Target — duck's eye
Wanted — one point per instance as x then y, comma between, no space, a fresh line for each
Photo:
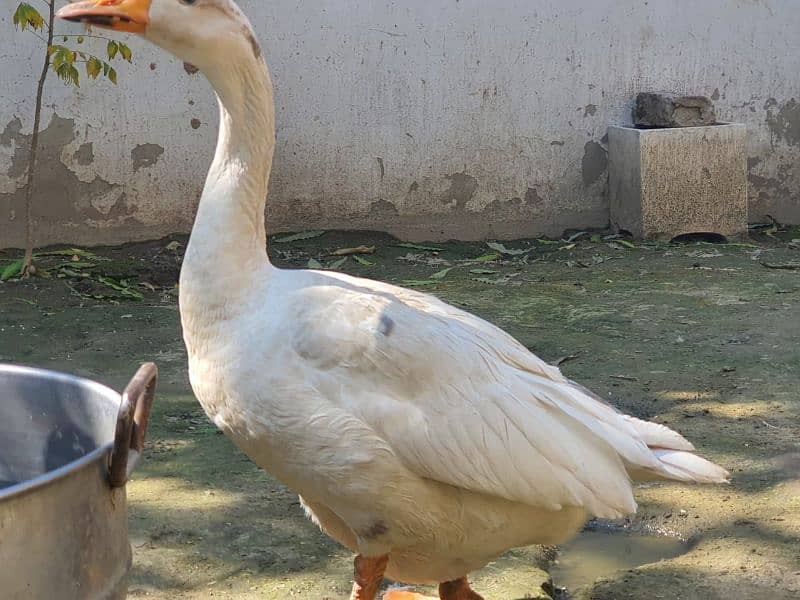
189,2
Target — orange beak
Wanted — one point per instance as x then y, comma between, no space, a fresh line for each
119,15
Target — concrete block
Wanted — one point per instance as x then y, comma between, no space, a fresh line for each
668,182
669,110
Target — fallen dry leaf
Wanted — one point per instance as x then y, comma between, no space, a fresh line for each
356,250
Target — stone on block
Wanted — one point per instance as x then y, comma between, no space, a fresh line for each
669,110
669,182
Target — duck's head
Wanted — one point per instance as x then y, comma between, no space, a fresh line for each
205,33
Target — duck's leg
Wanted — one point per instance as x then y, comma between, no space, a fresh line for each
457,590
368,577
452,590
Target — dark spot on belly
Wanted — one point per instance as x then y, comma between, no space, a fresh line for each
376,530
387,325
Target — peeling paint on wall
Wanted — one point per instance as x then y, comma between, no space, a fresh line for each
11,132
85,154
772,181
784,121
594,162
527,208
59,196
462,189
145,155
774,175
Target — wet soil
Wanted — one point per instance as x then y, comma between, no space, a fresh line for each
701,337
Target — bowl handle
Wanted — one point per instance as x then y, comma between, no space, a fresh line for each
132,421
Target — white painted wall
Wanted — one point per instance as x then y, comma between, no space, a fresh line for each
488,118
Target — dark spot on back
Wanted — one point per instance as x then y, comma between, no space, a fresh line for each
253,42
375,531
190,68
387,325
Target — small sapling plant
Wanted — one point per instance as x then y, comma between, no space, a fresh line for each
66,55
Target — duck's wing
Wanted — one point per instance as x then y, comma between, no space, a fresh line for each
461,402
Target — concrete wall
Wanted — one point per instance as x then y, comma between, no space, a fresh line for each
429,119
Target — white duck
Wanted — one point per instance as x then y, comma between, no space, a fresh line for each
419,436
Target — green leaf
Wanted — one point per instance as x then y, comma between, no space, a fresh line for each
80,39
67,272
72,252
122,287
112,75
60,56
112,49
735,245
363,261
27,16
503,250
419,282
62,60
418,247
76,265
483,272
94,67
487,258
596,238
106,68
12,270
576,236
125,52
624,243
62,71
313,263
790,266
442,274
338,264
305,235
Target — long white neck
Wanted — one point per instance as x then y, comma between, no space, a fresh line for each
227,249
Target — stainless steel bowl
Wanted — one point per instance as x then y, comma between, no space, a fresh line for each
67,448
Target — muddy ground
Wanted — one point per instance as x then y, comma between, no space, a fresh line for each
701,337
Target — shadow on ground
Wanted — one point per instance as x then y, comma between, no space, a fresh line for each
700,337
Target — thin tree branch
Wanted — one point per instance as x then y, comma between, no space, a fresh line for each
88,37
37,122
41,37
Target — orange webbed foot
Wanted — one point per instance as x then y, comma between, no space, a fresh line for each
405,595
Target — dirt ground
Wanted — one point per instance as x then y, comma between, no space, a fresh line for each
698,336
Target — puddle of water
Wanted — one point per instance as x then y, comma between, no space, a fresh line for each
599,553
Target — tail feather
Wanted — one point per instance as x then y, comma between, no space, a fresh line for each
685,466
656,435
675,454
